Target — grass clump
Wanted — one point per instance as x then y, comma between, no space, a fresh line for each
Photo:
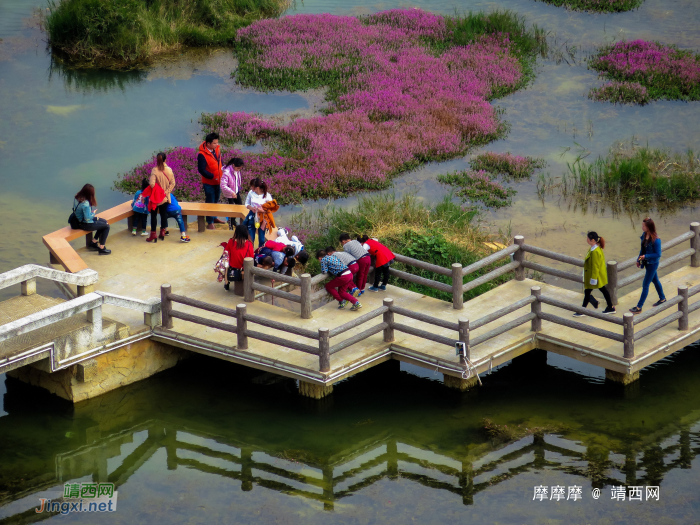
129,32
598,6
512,166
476,187
621,93
632,177
440,234
663,72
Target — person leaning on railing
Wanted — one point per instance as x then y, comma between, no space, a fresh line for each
85,213
595,274
649,257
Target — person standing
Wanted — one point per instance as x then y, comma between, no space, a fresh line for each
84,208
255,201
383,258
161,176
231,185
649,257
209,167
595,274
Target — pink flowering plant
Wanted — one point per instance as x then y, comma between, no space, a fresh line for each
511,166
598,6
645,71
477,188
403,87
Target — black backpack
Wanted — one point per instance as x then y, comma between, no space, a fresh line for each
73,220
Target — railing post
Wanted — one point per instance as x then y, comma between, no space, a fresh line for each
389,319
628,320
29,286
519,256
248,278
695,244
457,284
464,338
166,306
324,347
305,296
94,316
683,307
612,281
84,290
536,308
151,319
241,327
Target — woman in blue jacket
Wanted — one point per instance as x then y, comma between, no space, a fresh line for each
649,256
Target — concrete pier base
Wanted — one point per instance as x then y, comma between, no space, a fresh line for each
313,390
103,373
619,377
458,383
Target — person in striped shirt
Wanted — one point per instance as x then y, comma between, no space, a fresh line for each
342,280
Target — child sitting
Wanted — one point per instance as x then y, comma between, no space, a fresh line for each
350,262
174,211
362,257
338,286
140,207
383,259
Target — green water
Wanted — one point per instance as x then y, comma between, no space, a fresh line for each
202,443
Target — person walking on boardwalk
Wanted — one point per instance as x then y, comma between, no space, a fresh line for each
595,274
209,167
649,257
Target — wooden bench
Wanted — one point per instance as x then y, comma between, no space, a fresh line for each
61,252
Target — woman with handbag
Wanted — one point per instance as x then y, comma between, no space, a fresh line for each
238,247
649,257
595,274
84,208
163,176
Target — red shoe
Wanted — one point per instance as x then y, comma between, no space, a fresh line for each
152,237
162,234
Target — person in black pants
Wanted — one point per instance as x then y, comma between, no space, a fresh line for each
84,208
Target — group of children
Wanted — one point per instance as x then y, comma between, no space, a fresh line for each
140,206
350,268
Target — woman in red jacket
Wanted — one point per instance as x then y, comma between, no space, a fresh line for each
239,247
383,258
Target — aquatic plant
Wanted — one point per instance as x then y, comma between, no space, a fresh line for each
441,234
404,87
633,178
127,32
621,93
665,71
477,187
513,166
598,6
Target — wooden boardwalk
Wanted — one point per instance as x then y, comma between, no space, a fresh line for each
320,346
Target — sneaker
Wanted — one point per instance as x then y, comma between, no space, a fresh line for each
373,289
576,314
610,310
383,288
167,233
103,251
184,238
361,292
355,292
144,233
342,304
356,306
133,231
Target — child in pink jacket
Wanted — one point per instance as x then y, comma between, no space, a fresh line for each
231,185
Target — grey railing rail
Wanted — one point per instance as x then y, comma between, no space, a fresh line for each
250,286
27,275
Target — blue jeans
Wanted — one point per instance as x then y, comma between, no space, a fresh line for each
212,194
651,277
178,217
249,222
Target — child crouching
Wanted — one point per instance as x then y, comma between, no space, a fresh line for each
342,281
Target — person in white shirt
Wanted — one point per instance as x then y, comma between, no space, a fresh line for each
254,202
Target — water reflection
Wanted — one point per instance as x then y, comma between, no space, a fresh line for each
385,426
93,80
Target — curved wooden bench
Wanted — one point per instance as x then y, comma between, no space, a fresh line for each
62,252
